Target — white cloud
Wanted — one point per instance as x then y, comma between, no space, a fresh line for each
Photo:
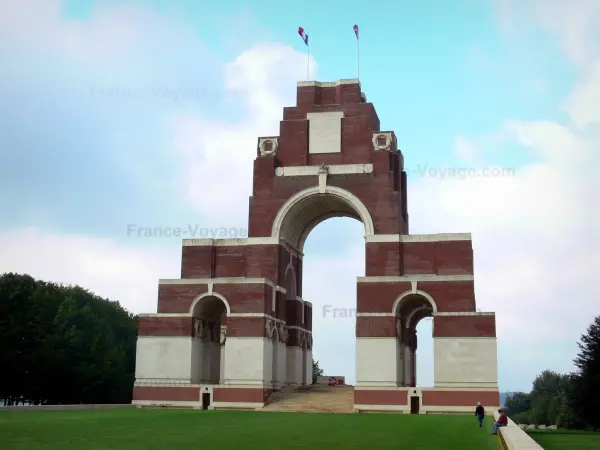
219,155
127,273
575,23
583,104
37,25
467,150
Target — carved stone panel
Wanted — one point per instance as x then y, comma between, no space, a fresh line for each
325,132
272,332
206,331
268,146
382,141
283,333
223,336
302,339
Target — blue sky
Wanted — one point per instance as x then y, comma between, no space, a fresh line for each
93,139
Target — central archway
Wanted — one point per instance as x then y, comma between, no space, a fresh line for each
293,223
334,259
306,209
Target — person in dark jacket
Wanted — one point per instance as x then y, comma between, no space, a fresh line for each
480,413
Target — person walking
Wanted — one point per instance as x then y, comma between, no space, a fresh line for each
480,414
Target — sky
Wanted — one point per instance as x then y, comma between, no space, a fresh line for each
147,113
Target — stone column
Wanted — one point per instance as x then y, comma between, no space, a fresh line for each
407,365
222,343
248,358
281,350
414,366
400,353
197,356
377,361
308,351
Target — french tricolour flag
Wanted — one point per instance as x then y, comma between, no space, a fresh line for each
303,35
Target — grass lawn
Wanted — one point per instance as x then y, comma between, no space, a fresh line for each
148,429
563,439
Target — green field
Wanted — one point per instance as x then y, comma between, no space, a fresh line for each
562,439
146,429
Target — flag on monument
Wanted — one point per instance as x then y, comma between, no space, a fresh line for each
303,35
355,28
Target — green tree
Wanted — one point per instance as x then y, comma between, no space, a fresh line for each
16,340
584,399
316,371
549,397
63,344
517,403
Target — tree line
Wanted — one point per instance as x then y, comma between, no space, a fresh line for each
567,400
63,345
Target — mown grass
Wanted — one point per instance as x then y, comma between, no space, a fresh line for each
564,439
147,429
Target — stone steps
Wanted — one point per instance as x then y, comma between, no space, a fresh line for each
325,399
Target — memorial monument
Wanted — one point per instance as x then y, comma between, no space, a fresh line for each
235,328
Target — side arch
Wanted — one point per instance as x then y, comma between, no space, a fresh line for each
198,299
304,210
398,302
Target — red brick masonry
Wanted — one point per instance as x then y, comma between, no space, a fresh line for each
371,397
165,326
460,398
464,326
430,397
162,393
241,395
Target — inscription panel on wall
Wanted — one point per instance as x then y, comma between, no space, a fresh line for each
325,132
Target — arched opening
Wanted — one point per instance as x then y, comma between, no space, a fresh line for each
294,356
425,352
334,258
308,208
410,309
293,224
209,314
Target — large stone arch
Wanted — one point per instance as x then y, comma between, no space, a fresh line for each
306,209
294,221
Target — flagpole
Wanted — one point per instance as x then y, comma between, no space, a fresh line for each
358,57
308,63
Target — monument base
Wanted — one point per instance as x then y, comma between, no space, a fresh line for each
416,400
406,400
199,396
